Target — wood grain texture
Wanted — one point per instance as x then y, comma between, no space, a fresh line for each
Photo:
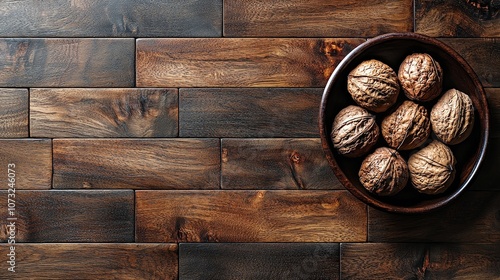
493,95
94,261
449,18
239,62
484,178
275,164
259,261
248,112
473,217
14,107
249,216
84,112
111,18
44,62
137,163
32,159
316,18
71,216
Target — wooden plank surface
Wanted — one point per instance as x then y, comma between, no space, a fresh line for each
493,95
32,159
276,164
93,261
449,18
249,112
239,62
14,107
137,163
71,216
111,18
249,216
40,62
85,112
259,261
316,18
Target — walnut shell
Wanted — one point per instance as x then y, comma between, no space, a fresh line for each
432,169
384,172
452,117
354,131
373,85
407,127
421,77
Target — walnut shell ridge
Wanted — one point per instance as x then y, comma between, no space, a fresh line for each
421,77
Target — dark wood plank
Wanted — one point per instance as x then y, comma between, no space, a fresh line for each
493,95
32,159
14,106
249,216
450,18
484,178
259,261
84,112
93,261
71,216
111,18
275,164
316,18
247,112
472,218
239,62
67,62
137,163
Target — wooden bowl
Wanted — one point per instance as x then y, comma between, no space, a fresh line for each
392,49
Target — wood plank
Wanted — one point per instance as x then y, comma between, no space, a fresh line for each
239,62
32,159
137,163
85,112
493,95
472,218
276,164
259,261
38,62
115,18
316,18
449,18
484,179
93,261
71,216
249,216
14,106
248,112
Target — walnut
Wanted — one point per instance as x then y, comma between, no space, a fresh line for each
373,85
432,169
452,117
354,131
407,127
384,172
421,77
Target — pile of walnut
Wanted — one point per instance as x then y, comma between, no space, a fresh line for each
375,87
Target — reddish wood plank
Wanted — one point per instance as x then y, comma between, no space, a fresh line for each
14,106
316,18
238,62
32,159
137,163
84,112
249,216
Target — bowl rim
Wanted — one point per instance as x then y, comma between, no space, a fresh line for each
372,201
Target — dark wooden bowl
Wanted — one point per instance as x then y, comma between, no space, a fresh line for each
392,49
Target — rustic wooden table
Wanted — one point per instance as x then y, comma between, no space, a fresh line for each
178,139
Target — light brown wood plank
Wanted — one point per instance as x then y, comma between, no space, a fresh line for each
249,112
249,216
14,104
276,164
32,159
137,163
39,62
238,62
84,112
92,261
316,18
70,216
